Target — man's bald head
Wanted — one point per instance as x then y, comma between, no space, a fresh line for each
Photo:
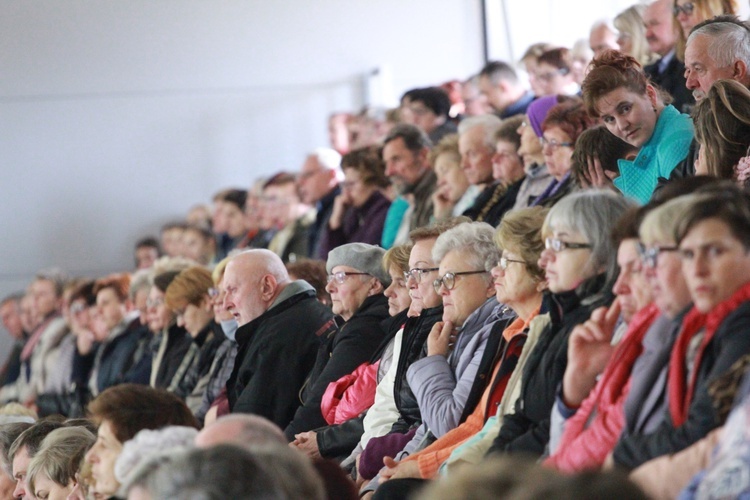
253,279
241,430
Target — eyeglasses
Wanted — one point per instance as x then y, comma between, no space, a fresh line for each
340,276
650,256
214,292
348,184
418,273
547,77
154,302
686,9
449,279
553,144
504,261
77,308
558,245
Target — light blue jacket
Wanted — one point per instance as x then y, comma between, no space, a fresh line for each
667,146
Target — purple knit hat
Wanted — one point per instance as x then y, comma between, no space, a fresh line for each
537,112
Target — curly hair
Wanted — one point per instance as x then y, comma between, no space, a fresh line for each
610,71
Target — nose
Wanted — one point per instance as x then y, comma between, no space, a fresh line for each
180,321
700,264
622,285
546,257
690,81
389,169
496,271
330,287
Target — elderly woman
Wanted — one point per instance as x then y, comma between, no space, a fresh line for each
121,412
579,263
631,34
188,295
448,382
722,128
713,236
52,472
359,211
356,281
454,194
519,283
561,128
336,440
617,91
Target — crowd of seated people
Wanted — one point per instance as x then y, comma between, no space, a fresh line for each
547,261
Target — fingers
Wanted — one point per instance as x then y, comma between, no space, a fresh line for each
389,462
613,314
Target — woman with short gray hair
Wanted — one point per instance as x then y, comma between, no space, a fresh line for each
52,471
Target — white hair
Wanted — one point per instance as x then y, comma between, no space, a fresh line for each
150,442
491,124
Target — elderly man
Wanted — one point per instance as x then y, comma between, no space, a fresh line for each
717,48
603,36
476,143
668,71
282,325
356,282
318,185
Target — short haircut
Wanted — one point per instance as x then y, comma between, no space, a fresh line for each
32,438
327,158
280,179
570,117
627,225
520,231
314,272
236,197
61,452
593,214
140,280
85,292
148,242
203,231
508,131
497,71
724,201
222,471
434,98
14,297
722,127
447,145
659,224
8,434
436,229
147,442
398,257
729,39
130,408
119,283
476,243
55,276
491,124
598,142
535,50
414,137
557,58
189,287
163,280
175,224
368,162
609,71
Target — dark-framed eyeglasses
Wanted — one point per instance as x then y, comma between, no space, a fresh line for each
650,255
340,276
558,245
504,261
448,280
417,273
553,144
686,9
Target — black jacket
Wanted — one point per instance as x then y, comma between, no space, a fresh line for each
413,347
672,79
730,342
527,428
345,350
492,203
275,353
117,356
178,342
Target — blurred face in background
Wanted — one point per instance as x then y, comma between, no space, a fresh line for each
158,315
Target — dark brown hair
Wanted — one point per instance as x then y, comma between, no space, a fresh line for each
610,71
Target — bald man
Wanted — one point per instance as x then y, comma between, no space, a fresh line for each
282,325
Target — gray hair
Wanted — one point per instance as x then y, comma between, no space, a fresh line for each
219,472
592,214
606,22
148,442
475,240
491,124
61,452
728,41
140,280
9,433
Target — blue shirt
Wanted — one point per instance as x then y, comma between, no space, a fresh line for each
667,146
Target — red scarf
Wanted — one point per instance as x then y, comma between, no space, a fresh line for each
680,396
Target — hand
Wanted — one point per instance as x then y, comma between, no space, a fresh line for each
85,341
442,204
441,339
340,204
596,177
589,351
360,482
399,470
609,462
307,443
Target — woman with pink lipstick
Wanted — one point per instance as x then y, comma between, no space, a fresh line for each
617,91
